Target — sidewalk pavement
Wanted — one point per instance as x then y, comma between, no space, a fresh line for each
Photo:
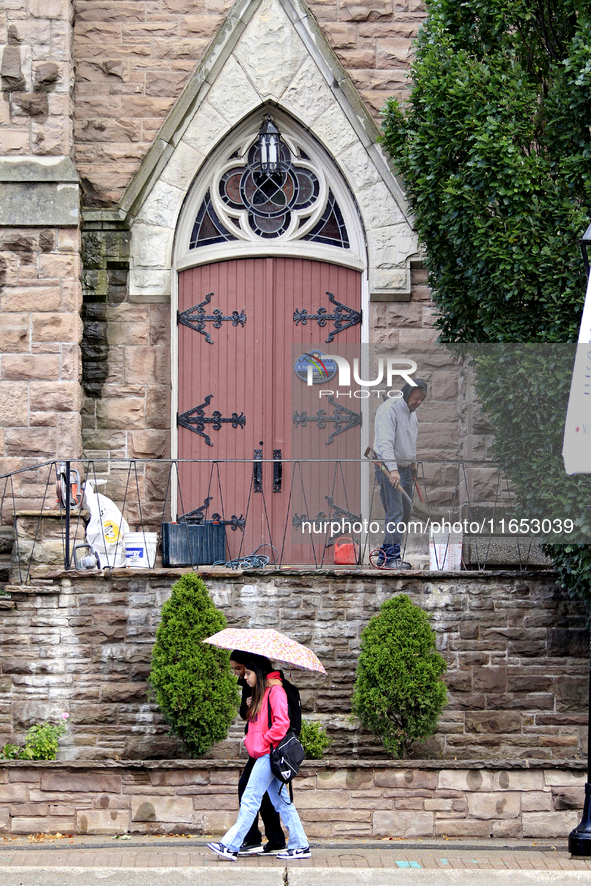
44,860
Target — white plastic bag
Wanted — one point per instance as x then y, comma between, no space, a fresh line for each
106,528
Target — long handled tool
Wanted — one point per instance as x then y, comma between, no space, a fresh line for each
371,455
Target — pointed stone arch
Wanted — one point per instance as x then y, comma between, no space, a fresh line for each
267,52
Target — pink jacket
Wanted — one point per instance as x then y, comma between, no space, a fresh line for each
259,737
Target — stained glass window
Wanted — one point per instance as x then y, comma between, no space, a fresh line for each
331,228
268,202
208,228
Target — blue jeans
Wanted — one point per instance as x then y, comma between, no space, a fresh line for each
396,508
262,780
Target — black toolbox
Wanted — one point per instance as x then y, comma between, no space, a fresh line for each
190,544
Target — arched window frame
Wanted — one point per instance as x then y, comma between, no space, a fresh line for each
247,244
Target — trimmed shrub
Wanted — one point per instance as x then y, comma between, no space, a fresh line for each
314,739
194,686
399,693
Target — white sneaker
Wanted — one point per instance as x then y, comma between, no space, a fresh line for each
223,851
295,853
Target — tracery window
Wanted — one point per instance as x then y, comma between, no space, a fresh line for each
294,202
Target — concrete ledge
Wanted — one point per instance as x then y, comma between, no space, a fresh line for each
508,799
39,192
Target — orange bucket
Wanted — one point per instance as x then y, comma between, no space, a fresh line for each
346,552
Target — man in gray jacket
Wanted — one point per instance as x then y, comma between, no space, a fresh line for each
395,444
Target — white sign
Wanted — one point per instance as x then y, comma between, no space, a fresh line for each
576,448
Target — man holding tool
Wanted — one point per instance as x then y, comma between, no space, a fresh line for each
395,444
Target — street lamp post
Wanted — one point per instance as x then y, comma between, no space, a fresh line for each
579,840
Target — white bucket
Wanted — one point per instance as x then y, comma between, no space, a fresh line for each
140,549
445,551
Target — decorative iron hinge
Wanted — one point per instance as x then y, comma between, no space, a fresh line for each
195,420
195,318
343,317
320,518
348,420
197,517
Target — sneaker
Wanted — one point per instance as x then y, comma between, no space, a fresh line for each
250,849
386,553
398,563
295,853
271,848
223,851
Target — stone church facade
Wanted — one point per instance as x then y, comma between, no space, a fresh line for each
113,114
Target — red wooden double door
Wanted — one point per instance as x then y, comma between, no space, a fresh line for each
237,334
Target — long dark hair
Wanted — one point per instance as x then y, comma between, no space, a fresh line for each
260,666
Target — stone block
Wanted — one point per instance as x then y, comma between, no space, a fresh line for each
14,397
495,805
462,827
121,413
49,327
177,777
494,722
33,442
52,9
464,780
411,779
49,825
402,824
13,793
349,779
158,406
568,798
536,801
217,822
28,367
102,821
323,800
31,298
549,824
518,780
14,334
78,782
165,809
122,693
148,444
564,778
29,810
149,365
60,396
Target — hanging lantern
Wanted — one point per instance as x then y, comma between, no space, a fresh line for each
270,147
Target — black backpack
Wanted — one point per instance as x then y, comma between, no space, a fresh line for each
287,756
294,705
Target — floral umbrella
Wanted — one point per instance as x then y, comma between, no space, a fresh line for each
268,642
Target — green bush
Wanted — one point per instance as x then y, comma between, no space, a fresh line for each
314,739
41,742
495,149
399,692
193,683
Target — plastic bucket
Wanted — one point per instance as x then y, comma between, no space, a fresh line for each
345,552
140,549
445,551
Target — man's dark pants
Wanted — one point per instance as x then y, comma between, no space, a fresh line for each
396,507
271,819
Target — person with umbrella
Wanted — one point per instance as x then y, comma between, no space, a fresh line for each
268,695
252,844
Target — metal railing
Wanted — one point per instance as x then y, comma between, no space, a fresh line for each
236,503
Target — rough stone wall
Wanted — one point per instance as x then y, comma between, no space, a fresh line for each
377,800
126,359
134,58
35,73
517,656
40,301
40,294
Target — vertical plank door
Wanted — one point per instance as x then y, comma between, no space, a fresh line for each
247,372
